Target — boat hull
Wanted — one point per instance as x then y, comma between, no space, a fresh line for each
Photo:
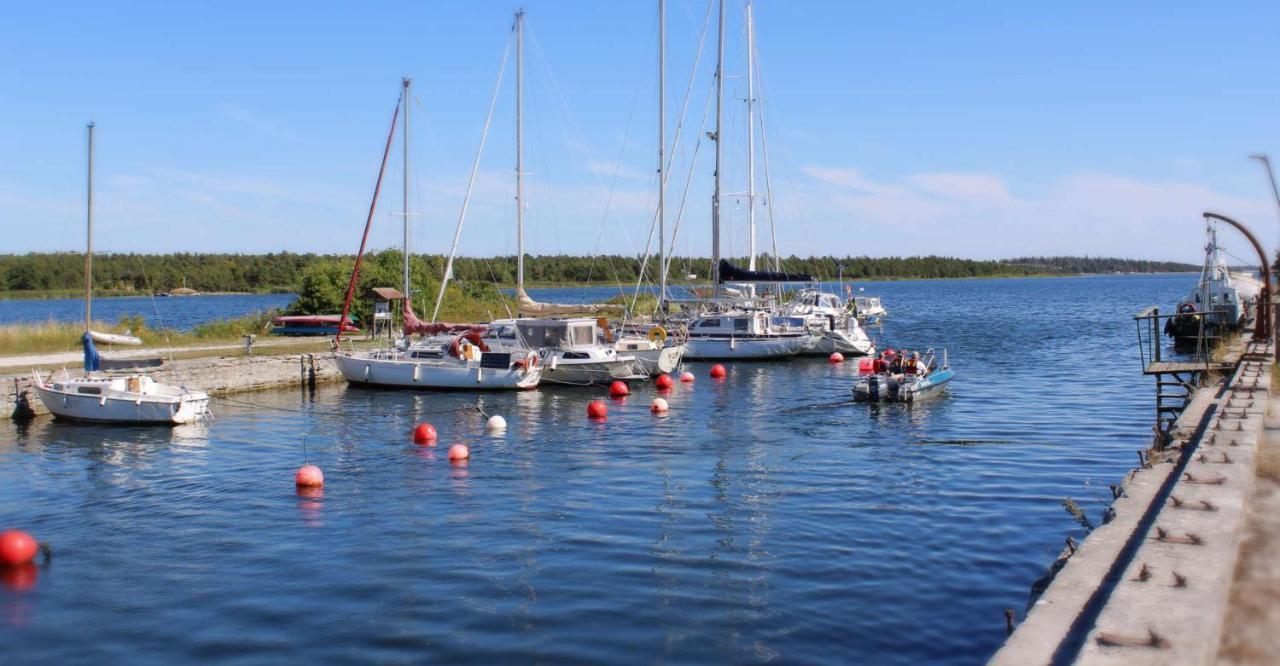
844,343
585,373
885,388
763,347
124,408
420,374
654,362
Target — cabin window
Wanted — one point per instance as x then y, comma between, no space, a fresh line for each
91,390
709,323
1197,298
741,325
581,335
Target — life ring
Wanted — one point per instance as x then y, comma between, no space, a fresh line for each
1186,308
658,334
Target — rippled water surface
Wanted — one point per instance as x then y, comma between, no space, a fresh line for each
767,518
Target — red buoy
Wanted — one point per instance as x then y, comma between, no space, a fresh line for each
686,377
836,357
17,548
619,390
424,434
664,382
597,410
309,476
459,452
718,371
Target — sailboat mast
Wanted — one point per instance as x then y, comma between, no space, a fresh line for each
751,141
408,293
715,198
519,154
88,243
662,142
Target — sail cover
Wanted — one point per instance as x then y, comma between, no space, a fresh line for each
92,361
731,273
527,306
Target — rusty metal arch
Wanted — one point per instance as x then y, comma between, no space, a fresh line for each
1262,323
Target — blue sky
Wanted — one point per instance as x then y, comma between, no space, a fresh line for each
971,129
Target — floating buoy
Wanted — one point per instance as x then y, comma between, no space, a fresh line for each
664,382
424,434
718,371
686,377
495,422
659,406
597,410
17,548
459,452
836,357
619,390
309,476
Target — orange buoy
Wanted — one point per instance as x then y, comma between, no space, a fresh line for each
718,371
597,410
424,434
619,390
17,548
664,382
309,476
659,406
686,377
459,452
836,357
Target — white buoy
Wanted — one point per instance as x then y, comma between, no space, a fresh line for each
495,423
659,406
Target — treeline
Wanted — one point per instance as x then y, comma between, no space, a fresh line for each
286,271
1099,265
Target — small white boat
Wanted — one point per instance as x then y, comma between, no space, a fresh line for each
133,398
924,378
829,316
747,334
653,350
128,399
444,362
569,349
868,308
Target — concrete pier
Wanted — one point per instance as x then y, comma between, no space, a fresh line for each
215,375
1152,585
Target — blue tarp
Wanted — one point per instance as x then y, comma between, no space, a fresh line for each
92,361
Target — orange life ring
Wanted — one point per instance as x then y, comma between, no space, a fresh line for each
1186,308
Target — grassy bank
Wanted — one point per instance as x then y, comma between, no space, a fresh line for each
55,336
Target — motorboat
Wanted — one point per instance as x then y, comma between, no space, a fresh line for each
131,398
919,377
457,361
828,315
569,349
1221,301
868,308
655,350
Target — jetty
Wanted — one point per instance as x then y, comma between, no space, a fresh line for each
1184,568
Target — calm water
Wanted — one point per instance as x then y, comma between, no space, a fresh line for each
181,313
768,518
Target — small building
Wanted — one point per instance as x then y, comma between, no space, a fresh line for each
386,306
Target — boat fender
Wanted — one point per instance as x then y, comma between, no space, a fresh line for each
658,334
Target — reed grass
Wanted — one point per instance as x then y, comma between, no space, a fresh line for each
55,336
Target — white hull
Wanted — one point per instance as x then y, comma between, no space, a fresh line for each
760,347
433,374
654,362
582,373
843,342
123,407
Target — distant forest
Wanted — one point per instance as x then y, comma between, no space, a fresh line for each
51,272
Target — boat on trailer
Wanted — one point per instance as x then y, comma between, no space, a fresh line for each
925,378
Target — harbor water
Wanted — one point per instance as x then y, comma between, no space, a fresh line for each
767,518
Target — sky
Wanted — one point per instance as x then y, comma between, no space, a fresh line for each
982,130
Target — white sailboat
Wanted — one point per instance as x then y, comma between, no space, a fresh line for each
454,357
134,398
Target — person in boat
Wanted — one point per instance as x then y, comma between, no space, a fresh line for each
914,366
895,365
879,366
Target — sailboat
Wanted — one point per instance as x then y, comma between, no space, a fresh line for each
454,356
133,398
573,350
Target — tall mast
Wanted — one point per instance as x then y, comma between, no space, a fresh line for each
751,141
519,154
715,198
408,288
662,141
88,243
